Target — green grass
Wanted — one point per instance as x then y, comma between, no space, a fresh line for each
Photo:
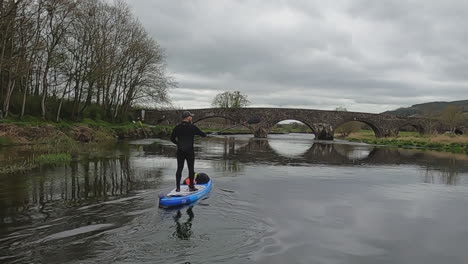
54,159
449,143
25,121
4,141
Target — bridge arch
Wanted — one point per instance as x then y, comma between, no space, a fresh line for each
233,120
377,131
419,128
196,120
277,121
459,131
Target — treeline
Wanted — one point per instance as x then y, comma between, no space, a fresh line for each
68,58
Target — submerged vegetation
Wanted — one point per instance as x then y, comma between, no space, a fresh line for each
20,164
53,159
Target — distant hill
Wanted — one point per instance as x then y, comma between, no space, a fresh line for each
433,107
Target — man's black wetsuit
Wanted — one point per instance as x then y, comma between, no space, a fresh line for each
182,136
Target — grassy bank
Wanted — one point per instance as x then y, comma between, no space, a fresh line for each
31,130
52,143
450,143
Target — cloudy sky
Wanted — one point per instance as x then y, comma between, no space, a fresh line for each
364,55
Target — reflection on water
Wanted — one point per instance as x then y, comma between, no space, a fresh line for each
353,152
184,229
104,207
449,176
234,153
295,147
27,196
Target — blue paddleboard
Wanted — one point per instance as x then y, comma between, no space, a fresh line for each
184,197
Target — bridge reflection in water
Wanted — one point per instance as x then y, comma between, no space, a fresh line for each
232,153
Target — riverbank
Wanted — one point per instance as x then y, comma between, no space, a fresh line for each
51,143
445,142
14,133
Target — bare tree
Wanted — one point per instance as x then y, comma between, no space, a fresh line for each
58,21
81,52
452,116
230,100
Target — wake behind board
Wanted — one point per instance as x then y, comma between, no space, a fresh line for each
184,197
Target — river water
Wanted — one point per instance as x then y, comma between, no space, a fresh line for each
287,199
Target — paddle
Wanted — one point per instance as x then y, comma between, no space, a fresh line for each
252,121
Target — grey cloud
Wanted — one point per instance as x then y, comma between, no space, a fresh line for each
361,54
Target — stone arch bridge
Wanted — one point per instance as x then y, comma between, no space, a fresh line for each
322,123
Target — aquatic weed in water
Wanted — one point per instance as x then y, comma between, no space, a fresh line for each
53,159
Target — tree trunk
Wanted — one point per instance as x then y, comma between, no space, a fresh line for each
11,87
116,111
98,95
89,97
23,105
44,92
58,110
37,84
6,103
28,84
6,46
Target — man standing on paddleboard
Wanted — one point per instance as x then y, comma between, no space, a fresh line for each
182,135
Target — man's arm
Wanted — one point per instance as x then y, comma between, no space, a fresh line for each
173,136
199,132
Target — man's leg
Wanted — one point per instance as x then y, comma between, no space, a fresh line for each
180,167
191,168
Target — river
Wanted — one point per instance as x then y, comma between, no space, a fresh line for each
285,199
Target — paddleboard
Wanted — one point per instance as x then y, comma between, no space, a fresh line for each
185,196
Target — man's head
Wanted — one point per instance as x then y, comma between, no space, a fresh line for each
187,116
